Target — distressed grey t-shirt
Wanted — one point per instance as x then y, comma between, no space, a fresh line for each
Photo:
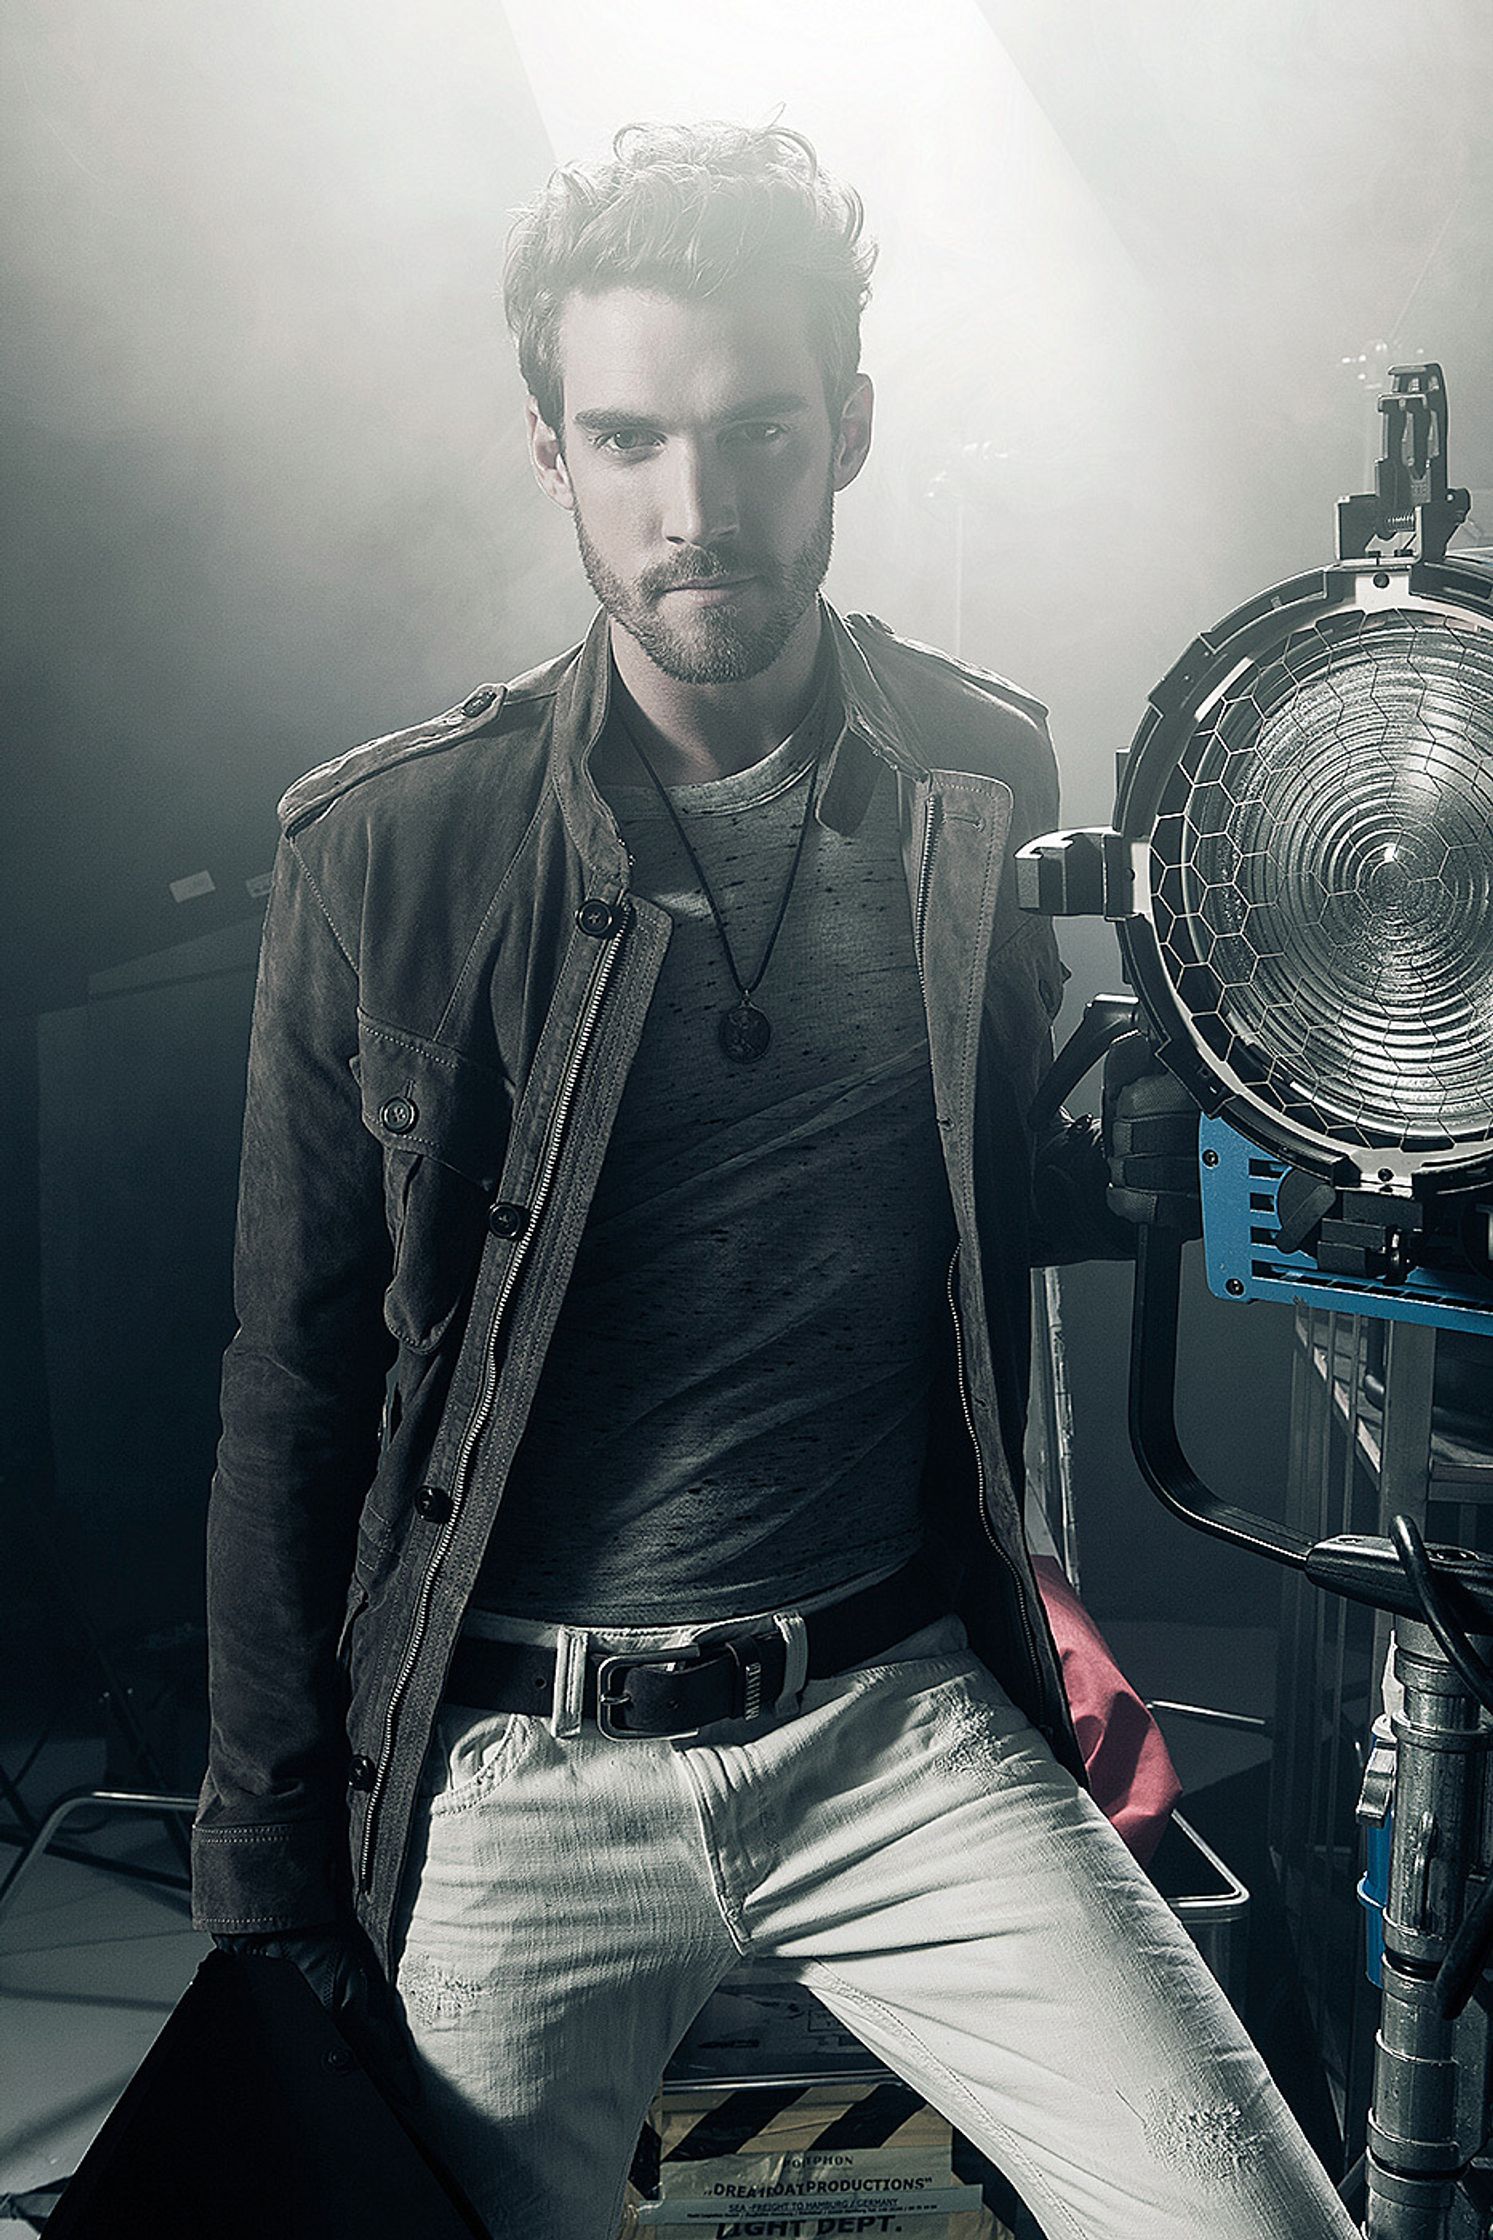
733,1412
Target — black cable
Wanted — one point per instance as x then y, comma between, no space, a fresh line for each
1462,1964
1451,1638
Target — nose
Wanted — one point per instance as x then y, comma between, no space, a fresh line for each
701,506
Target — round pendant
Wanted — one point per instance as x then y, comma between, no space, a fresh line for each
744,1031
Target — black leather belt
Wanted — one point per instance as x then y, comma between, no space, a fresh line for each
675,1695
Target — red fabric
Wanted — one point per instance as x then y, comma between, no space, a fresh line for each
1131,1774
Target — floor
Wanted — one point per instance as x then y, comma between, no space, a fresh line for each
91,1964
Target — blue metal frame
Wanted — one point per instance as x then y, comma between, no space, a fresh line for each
1240,1183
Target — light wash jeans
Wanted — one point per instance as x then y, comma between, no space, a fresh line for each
907,1847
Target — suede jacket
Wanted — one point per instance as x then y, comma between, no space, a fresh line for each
452,985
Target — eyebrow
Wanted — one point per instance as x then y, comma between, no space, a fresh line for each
775,407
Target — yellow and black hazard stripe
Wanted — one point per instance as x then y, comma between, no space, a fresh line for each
830,2117
748,2121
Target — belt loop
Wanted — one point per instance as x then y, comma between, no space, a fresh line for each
570,1682
790,1624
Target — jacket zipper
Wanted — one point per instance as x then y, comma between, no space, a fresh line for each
969,1422
920,907
477,1422
920,916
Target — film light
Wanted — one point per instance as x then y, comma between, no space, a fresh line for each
1301,864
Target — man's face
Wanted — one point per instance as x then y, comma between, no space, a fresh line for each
700,461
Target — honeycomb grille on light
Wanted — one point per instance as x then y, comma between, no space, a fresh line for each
1322,891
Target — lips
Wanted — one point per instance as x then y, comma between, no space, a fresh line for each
706,586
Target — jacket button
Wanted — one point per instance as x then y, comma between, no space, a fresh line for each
362,1774
506,1220
398,1115
479,702
602,920
433,1503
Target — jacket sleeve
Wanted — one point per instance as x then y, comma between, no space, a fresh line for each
302,1394
1071,1215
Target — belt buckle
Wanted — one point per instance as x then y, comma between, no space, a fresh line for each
611,1700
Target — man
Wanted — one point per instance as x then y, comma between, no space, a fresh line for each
642,1059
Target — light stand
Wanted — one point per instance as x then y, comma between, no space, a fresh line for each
1425,2125
1300,875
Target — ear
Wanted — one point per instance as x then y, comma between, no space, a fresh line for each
547,458
853,436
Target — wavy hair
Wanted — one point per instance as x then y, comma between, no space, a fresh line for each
690,210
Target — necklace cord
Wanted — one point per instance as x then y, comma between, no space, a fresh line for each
745,989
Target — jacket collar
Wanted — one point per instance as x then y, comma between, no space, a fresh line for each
868,712
583,702
870,723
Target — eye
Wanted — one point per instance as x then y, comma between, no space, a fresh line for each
758,432
627,443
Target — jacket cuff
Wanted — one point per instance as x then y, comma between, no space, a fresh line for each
275,1875
1074,1219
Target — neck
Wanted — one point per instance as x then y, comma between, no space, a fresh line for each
696,732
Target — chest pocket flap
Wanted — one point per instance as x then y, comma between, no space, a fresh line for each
442,1120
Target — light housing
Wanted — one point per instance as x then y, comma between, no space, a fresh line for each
1300,868
1306,817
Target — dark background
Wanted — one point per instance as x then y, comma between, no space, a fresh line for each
1144,268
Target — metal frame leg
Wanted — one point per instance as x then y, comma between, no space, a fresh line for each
79,1800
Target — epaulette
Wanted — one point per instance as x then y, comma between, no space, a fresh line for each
984,680
312,793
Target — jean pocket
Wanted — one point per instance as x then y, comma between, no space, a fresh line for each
944,1638
472,1753
920,1660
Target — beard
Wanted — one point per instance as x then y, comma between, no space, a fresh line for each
713,646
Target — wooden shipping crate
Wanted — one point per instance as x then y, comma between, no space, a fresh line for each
802,2162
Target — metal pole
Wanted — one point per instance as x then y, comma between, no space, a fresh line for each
1418,2138
167,1809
